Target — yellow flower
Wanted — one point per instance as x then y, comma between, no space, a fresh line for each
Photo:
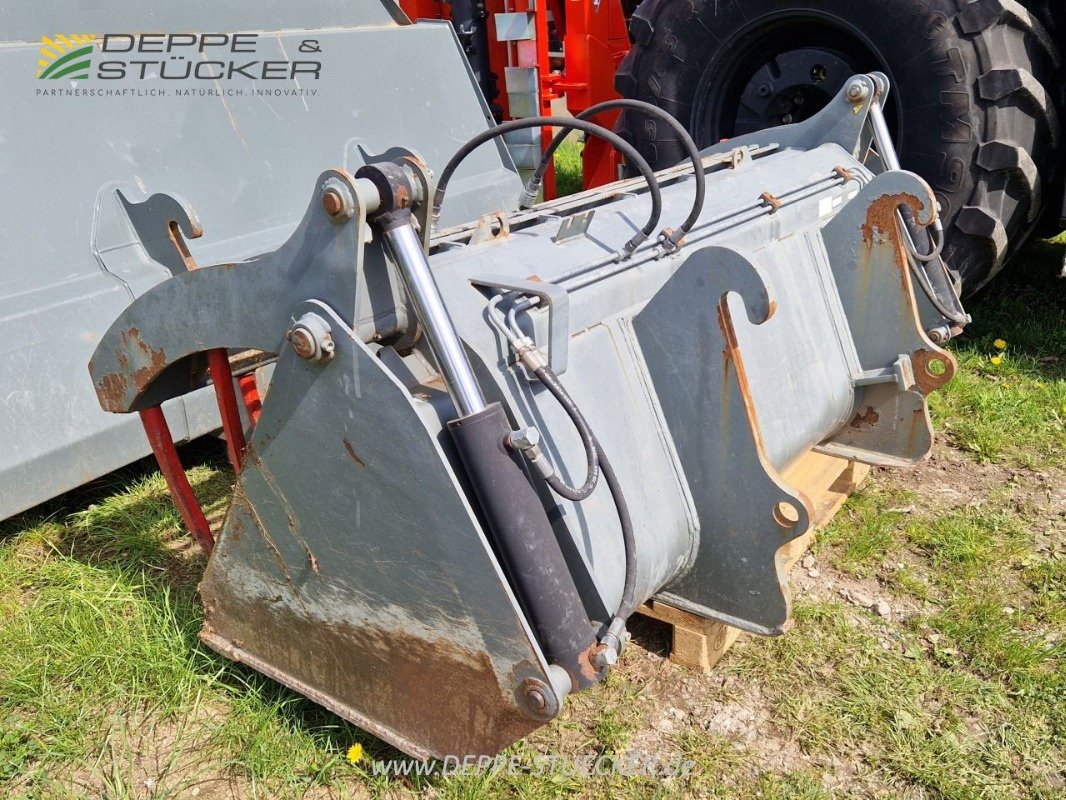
355,754
999,344
996,360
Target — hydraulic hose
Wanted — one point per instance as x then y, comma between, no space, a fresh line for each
592,450
627,604
613,139
533,186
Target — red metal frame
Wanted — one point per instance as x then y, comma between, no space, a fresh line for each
166,455
595,40
232,427
253,403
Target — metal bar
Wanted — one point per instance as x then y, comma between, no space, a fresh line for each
883,138
440,330
253,403
166,455
222,378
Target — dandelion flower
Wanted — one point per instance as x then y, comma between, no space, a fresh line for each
996,360
999,344
355,754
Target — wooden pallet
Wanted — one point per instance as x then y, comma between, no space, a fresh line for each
700,643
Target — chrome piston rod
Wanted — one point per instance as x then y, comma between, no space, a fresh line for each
406,247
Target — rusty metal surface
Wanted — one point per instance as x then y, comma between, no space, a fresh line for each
878,296
359,584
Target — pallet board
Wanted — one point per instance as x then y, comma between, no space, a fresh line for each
700,643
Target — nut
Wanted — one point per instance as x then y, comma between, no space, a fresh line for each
606,656
524,438
858,90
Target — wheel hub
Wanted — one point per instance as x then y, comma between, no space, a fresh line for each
790,87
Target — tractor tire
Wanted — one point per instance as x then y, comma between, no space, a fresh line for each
974,105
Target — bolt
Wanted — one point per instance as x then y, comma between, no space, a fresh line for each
858,90
524,438
536,698
310,337
303,342
606,656
786,120
765,90
332,202
939,335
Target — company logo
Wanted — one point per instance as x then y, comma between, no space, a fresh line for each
65,56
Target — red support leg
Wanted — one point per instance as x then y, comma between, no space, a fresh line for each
166,455
222,378
253,403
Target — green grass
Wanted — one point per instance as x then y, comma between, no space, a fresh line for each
104,684
1013,410
568,167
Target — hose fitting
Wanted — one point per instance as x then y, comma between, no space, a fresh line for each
529,354
528,197
527,442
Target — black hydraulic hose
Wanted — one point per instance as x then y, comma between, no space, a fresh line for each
612,138
628,602
592,454
533,186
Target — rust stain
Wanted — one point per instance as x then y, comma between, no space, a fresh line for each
881,216
928,381
427,696
731,354
589,671
157,359
112,389
351,452
311,559
771,200
866,419
881,229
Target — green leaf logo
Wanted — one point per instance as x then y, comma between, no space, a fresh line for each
65,56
